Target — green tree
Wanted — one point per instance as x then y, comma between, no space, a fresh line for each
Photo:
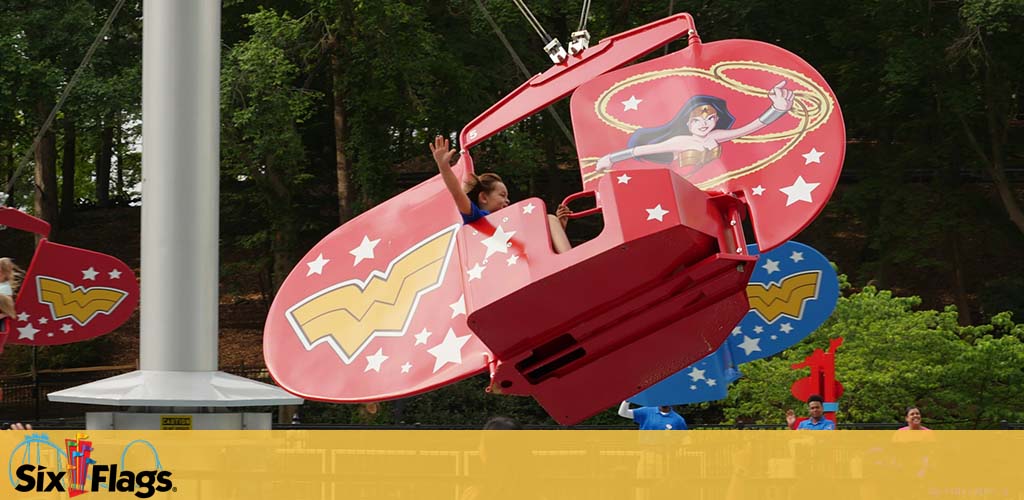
262,110
892,357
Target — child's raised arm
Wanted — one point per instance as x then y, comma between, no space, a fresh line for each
441,149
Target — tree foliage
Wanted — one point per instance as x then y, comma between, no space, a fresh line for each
894,356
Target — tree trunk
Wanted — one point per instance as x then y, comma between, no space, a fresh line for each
997,126
8,172
119,149
103,157
950,182
283,225
963,304
67,173
996,117
345,194
45,199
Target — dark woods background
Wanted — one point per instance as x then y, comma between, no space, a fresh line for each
327,106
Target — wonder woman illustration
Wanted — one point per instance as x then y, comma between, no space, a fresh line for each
695,135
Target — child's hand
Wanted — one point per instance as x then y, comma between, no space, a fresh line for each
563,212
790,418
442,152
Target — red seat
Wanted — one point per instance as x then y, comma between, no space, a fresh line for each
586,329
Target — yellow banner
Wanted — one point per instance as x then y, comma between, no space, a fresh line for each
466,465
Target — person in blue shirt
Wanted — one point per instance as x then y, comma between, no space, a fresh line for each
816,412
650,418
487,193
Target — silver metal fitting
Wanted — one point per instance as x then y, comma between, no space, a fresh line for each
579,41
555,51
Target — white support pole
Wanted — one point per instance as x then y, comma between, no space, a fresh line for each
180,184
180,226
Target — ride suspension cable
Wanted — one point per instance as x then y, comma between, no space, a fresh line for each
522,68
532,20
60,101
584,15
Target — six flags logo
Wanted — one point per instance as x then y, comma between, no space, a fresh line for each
83,474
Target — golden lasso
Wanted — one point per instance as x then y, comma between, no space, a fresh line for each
812,107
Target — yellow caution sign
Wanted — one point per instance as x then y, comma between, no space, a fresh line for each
175,422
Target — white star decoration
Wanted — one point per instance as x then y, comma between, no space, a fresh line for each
27,332
498,242
772,266
737,331
758,329
66,328
89,274
785,328
799,191
477,272
711,382
528,208
796,256
512,260
374,361
631,103
115,274
421,338
43,321
449,350
364,250
406,367
696,374
758,190
774,337
317,266
750,345
693,387
459,306
23,316
812,156
624,179
656,213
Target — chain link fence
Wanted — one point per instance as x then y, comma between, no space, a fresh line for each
24,399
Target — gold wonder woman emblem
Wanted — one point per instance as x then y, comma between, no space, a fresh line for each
348,315
788,297
77,303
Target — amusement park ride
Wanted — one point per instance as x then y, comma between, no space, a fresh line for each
68,294
676,152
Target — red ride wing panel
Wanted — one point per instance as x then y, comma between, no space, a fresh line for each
376,309
786,170
14,218
70,294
